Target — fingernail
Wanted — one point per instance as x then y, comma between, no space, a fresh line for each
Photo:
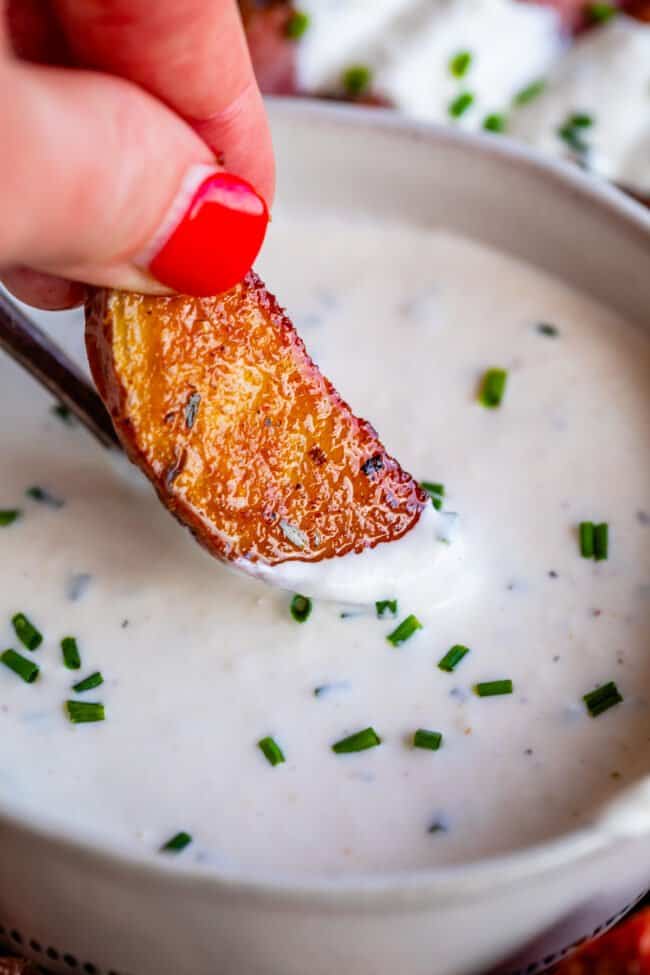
211,235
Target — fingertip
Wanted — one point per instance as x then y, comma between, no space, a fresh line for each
240,137
214,232
45,291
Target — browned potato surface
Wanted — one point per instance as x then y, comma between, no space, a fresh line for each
218,402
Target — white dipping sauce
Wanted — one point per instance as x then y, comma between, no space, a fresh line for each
607,76
408,45
200,663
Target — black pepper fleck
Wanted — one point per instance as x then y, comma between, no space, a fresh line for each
372,465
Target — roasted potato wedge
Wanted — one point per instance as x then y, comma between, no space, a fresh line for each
218,402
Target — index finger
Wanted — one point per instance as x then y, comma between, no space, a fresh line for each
193,56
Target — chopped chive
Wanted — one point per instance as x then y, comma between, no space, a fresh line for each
572,138
384,606
571,132
587,539
176,843
530,92
600,13
545,328
404,631
20,665
601,541
580,120
602,699
359,742
435,491
26,632
357,79
460,64
70,650
39,494
9,515
495,122
427,739
453,657
297,25
271,751
459,105
300,608
493,387
492,688
63,413
84,712
87,684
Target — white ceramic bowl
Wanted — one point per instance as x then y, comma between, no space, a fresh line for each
70,905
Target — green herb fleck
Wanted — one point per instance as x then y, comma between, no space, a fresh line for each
580,120
587,539
601,541
600,13
460,64
70,651
26,632
271,751
427,739
300,608
64,414
39,494
492,688
530,92
25,668
545,328
85,712
297,25
493,387
453,657
495,122
572,132
459,105
594,540
176,843
87,684
8,516
435,491
357,79
358,742
602,699
404,631
386,606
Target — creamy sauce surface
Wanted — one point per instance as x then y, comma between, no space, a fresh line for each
408,46
200,663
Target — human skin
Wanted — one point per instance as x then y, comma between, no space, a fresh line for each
109,105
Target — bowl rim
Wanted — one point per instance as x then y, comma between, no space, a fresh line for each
405,889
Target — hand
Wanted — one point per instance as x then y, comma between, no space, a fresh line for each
116,116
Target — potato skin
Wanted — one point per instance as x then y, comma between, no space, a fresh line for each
218,402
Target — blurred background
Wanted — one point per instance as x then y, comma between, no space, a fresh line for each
570,77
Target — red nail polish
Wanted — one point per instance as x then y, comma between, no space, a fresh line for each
214,245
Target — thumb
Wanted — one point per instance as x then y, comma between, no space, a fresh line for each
100,182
